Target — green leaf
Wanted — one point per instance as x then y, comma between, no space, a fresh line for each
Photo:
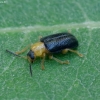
21,24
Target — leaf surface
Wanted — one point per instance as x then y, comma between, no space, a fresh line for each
21,24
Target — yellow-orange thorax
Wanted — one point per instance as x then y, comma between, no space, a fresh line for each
39,49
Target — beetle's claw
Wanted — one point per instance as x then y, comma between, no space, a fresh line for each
81,55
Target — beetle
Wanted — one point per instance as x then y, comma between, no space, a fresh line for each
49,45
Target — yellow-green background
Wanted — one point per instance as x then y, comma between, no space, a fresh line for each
22,22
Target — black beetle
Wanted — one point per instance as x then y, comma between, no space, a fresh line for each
51,44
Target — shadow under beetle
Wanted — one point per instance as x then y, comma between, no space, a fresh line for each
49,45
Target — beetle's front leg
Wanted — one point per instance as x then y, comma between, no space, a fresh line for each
57,60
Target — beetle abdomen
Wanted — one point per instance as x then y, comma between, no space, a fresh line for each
57,42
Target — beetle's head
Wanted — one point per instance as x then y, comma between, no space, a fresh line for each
30,56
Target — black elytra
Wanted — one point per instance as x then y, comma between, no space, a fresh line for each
57,42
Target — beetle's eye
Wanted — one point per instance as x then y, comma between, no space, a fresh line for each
31,54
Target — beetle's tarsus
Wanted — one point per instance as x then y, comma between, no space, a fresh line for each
81,55
65,62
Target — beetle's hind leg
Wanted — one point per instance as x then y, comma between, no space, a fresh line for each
57,60
74,51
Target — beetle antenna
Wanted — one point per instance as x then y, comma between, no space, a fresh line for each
30,69
16,54
12,53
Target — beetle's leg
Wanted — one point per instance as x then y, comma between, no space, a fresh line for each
57,60
74,51
64,51
42,62
40,37
23,50
69,31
